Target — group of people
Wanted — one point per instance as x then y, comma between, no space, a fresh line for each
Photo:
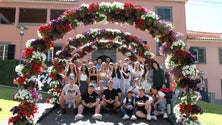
133,87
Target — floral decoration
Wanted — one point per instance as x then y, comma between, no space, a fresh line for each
179,59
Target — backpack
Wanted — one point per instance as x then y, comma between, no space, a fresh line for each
168,93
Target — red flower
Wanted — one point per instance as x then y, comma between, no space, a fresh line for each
128,6
38,68
53,75
47,100
20,79
93,7
190,107
28,52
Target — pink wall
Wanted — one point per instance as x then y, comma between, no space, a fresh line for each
212,68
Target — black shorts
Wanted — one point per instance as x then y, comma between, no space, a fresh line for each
142,109
86,109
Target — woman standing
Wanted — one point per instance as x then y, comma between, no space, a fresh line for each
147,75
102,74
158,75
116,76
83,79
70,71
93,76
137,72
126,78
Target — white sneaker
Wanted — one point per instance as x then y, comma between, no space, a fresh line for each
97,116
125,117
70,105
154,117
79,116
133,117
148,117
165,115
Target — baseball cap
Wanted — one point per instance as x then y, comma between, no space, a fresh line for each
71,78
129,91
142,88
91,85
101,81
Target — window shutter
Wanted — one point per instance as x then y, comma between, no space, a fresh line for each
11,51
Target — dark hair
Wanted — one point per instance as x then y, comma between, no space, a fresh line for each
116,71
145,70
158,65
87,71
74,70
153,87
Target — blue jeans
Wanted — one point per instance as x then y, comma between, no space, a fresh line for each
162,105
127,111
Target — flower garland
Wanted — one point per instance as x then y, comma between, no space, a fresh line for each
143,19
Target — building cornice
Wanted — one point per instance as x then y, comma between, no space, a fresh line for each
206,41
42,1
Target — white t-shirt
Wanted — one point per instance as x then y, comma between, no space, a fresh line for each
161,94
70,92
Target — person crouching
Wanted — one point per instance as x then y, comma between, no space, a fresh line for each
128,107
90,102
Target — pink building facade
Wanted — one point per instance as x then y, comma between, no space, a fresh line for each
208,50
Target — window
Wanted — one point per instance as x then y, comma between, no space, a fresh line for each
199,53
7,51
32,15
164,12
7,15
220,55
55,14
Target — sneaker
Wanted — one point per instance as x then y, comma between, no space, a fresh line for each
97,116
133,117
70,105
63,111
165,115
148,117
154,117
79,116
125,117
74,105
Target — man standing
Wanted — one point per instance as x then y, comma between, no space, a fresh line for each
70,92
90,103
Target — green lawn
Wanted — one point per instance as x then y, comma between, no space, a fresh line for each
212,114
6,102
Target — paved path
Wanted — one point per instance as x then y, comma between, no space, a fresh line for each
54,118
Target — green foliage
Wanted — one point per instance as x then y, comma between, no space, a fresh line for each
7,72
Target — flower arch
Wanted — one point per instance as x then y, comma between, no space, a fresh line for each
178,58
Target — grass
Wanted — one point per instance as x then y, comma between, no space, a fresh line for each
212,114
7,102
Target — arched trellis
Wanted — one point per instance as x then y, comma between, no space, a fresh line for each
179,59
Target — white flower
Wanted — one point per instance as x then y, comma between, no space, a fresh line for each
189,70
128,54
104,5
39,34
85,5
179,44
168,62
38,56
19,68
118,5
148,53
28,43
80,36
